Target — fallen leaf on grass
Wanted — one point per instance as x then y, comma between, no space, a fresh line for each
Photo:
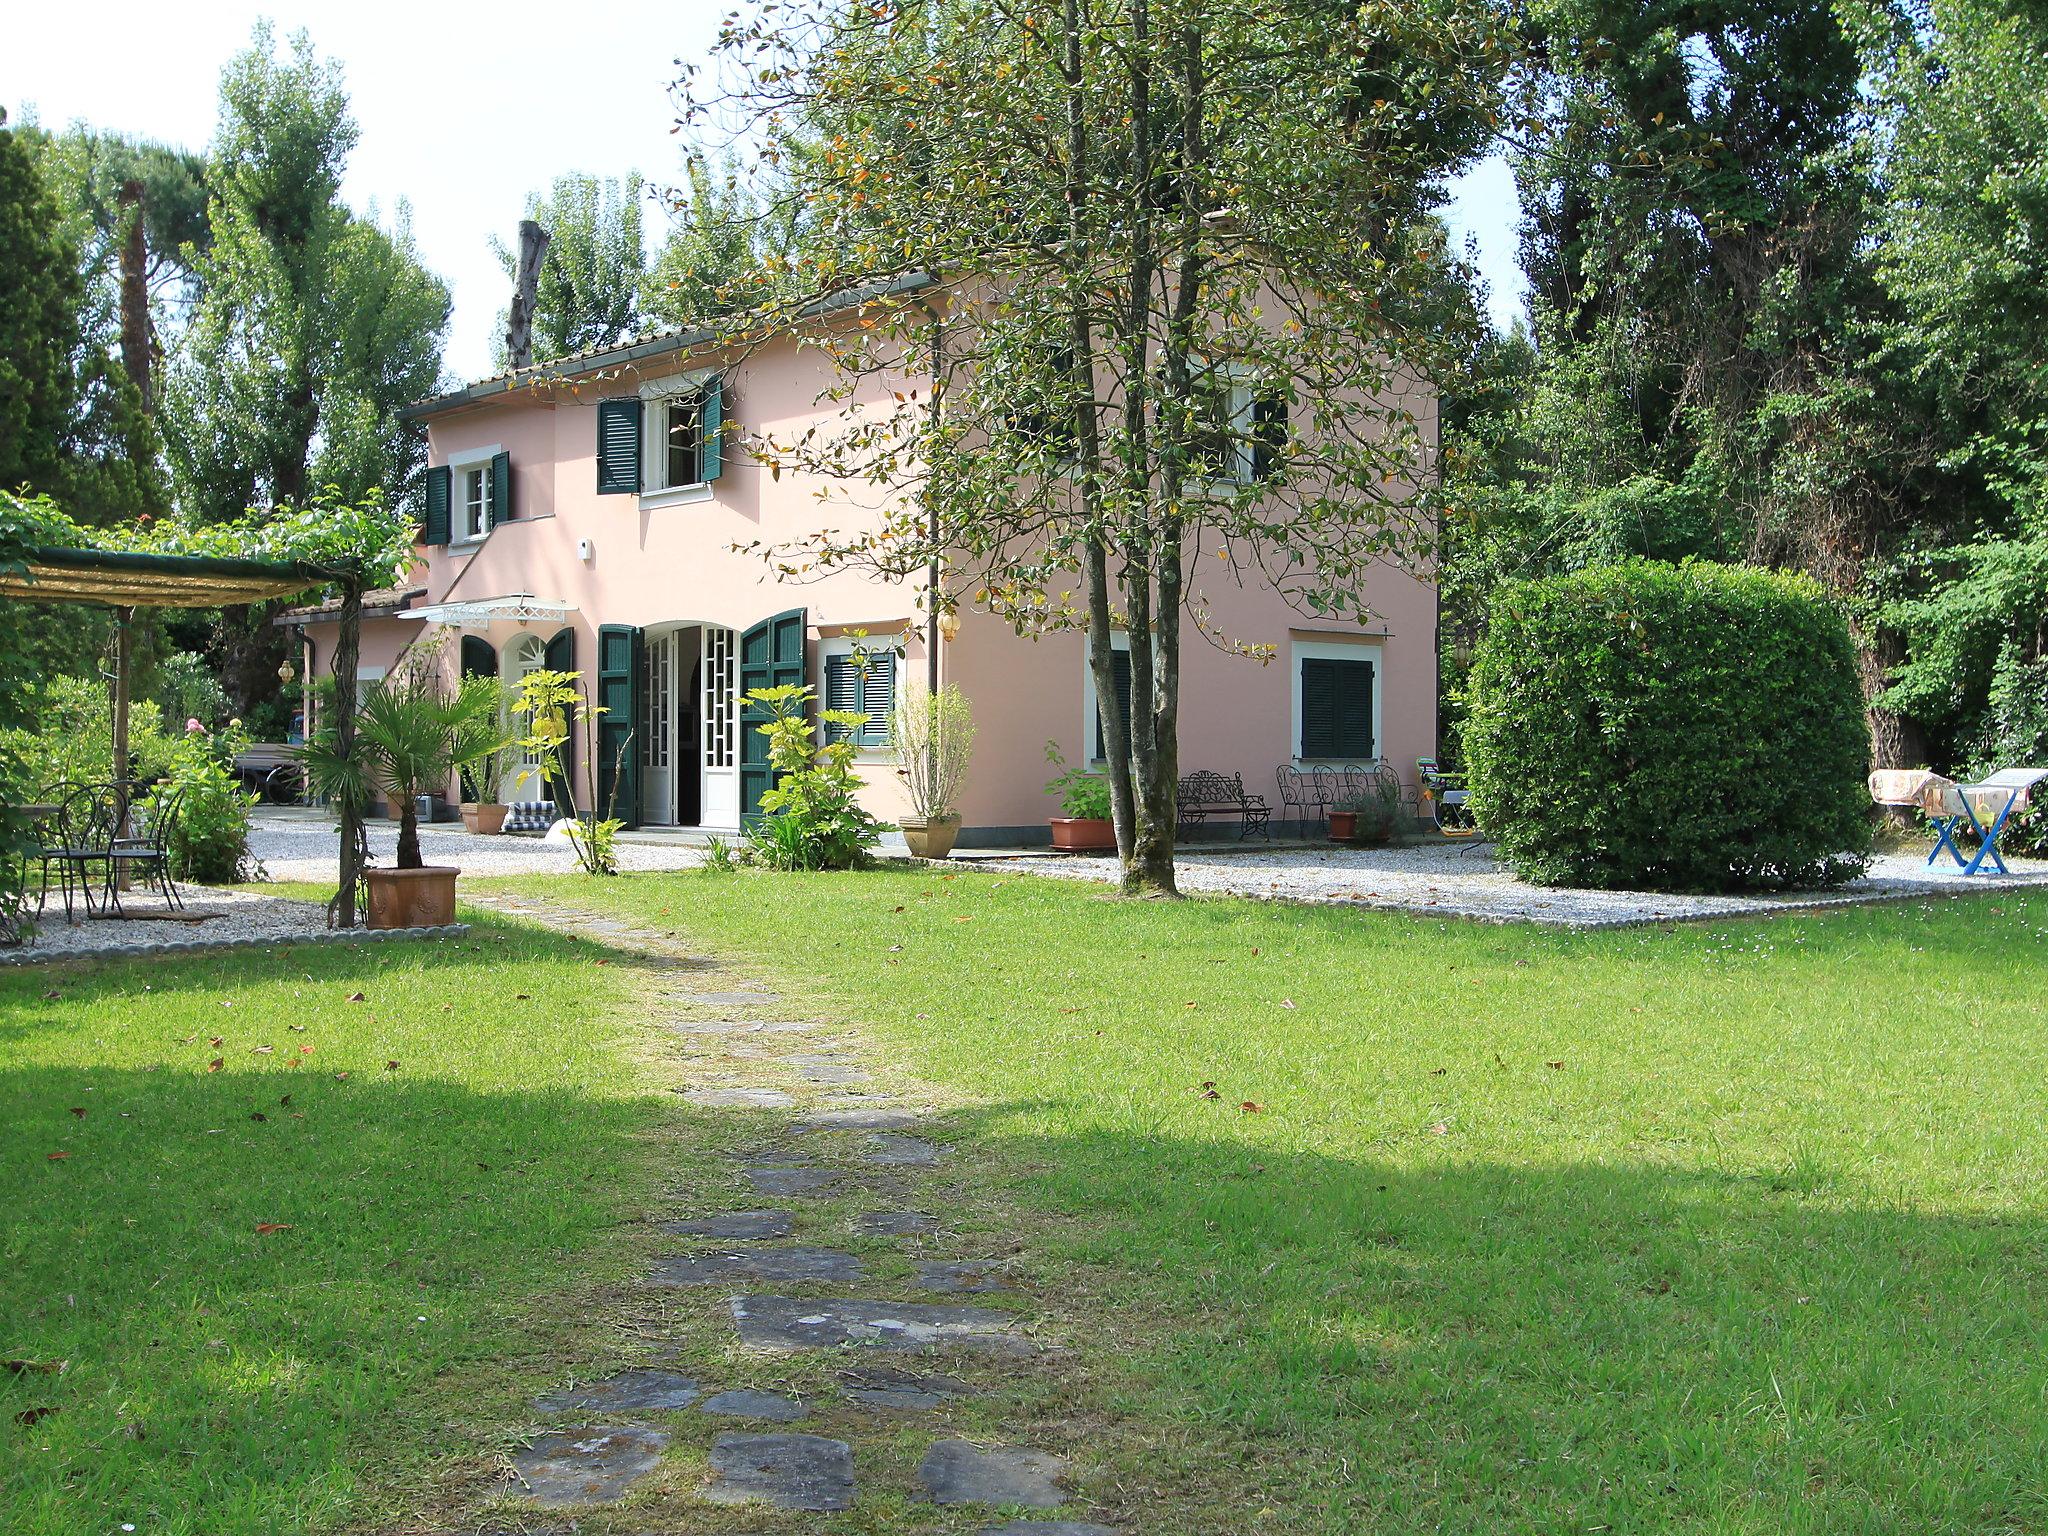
1440,1129
215,1041
1252,1109
215,1065
1555,1066
1286,1002
285,1100
341,1077
262,1050
34,1367
357,997
57,1157
522,997
390,1066
51,997
258,1115
28,1416
265,1228
297,1029
78,1112
305,1050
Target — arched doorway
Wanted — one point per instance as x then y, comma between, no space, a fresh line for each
523,653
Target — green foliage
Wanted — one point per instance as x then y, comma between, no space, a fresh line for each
589,291
486,753
556,712
729,245
1083,795
932,735
38,323
412,734
1691,727
70,739
313,326
812,817
210,839
596,841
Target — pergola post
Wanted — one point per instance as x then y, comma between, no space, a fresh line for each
124,658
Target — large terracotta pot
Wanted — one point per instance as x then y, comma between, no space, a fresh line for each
412,898
1343,826
483,816
1083,834
930,838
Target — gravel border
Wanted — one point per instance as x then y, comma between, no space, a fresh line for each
30,955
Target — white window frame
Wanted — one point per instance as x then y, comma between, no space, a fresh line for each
1373,651
846,645
655,394
1239,380
1119,640
461,465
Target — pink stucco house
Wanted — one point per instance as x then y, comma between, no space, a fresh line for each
584,514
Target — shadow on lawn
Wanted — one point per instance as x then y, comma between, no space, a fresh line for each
1576,1347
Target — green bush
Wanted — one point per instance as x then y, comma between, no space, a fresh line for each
210,843
72,740
812,818
1684,728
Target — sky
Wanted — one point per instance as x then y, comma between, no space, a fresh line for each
464,110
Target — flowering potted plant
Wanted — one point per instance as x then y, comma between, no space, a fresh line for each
1087,826
933,735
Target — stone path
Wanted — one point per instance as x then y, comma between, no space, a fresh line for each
840,1159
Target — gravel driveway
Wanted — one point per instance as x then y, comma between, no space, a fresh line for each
1465,882
298,845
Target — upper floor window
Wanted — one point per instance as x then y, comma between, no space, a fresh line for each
665,442
1240,430
475,501
468,496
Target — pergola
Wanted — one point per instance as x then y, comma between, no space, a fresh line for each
124,581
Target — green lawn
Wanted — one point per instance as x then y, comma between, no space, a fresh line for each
1730,1228
1721,1228
439,1157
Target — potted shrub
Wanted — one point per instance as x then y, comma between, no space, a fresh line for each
933,735
412,732
1084,797
489,755
1367,817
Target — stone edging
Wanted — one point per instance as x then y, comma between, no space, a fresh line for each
30,956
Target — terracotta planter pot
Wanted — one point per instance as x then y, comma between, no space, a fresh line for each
1343,826
1083,834
483,816
412,898
930,838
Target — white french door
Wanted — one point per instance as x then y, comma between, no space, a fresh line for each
658,759
720,718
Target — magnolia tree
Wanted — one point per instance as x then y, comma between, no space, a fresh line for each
1136,282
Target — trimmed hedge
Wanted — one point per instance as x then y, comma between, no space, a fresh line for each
1692,727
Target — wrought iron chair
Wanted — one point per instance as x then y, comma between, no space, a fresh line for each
77,837
145,850
1297,795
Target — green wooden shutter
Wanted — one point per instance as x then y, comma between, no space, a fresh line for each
1336,709
1120,670
711,422
771,656
618,754
878,698
842,691
618,447
439,488
560,656
478,659
499,506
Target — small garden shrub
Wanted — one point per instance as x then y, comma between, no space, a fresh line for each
210,843
1670,727
812,818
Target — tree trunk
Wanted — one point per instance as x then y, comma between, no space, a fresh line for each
135,296
533,249
341,912
409,835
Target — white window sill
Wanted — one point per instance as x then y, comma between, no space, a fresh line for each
676,496
467,546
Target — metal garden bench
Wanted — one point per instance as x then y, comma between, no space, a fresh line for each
1207,796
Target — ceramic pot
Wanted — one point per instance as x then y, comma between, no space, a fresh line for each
412,898
930,837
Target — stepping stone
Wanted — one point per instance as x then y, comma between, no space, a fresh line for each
704,1026
735,1226
746,1403
780,1323
639,1390
787,1471
785,1265
826,1069
738,1098
859,1119
880,1387
574,1467
958,1472
902,1152
731,999
894,1223
785,1026
1046,1528
970,1275
791,1181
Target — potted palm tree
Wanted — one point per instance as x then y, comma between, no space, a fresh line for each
933,737
412,733
489,755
